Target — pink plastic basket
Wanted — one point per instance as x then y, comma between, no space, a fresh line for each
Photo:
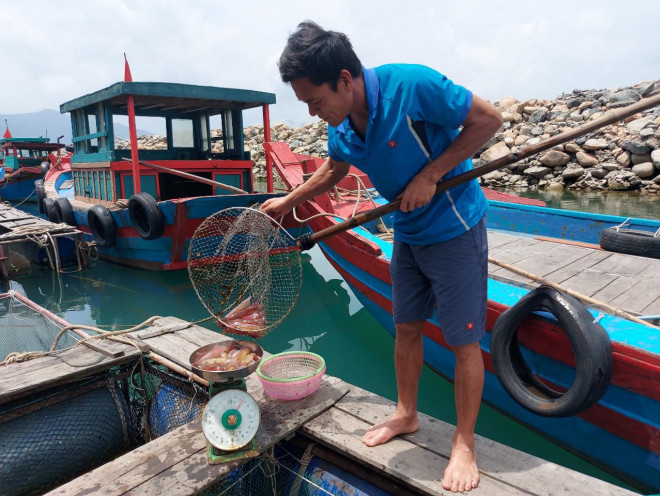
291,375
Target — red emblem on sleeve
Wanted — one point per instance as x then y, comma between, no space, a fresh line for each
469,326
392,143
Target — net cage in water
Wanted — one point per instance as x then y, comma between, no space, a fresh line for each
25,327
53,436
295,470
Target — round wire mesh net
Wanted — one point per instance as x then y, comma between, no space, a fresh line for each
245,269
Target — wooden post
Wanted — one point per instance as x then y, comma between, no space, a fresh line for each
3,264
132,131
269,160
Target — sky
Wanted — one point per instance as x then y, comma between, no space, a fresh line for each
54,51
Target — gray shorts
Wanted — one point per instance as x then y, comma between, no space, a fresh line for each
452,275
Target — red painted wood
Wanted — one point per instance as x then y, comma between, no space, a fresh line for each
506,197
269,160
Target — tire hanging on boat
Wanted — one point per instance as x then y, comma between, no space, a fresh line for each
102,225
145,216
49,210
630,241
41,194
64,211
592,350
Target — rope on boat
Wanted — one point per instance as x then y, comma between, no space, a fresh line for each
357,192
584,298
26,199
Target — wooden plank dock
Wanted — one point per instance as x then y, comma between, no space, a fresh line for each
14,224
17,226
336,416
628,282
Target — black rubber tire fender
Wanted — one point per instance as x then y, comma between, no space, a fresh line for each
630,241
41,194
102,225
591,347
64,211
49,210
145,215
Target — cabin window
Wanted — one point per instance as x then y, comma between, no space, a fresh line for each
182,133
204,126
228,131
103,140
153,138
79,130
93,144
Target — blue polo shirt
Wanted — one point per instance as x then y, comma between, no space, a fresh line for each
414,115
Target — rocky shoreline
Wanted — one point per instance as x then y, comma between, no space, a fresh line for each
620,157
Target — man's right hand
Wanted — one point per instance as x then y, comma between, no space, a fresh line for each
277,207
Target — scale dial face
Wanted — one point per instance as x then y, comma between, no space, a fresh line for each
230,419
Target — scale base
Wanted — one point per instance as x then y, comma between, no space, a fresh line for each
217,456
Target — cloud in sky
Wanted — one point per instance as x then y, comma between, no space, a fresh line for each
57,51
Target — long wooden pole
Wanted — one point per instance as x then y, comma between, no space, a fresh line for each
612,116
191,176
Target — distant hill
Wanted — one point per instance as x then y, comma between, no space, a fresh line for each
50,123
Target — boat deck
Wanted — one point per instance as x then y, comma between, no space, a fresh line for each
335,416
628,282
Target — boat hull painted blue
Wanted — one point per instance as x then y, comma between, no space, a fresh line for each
571,225
21,190
181,217
628,460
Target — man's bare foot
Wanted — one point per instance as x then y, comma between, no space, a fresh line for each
395,425
462,473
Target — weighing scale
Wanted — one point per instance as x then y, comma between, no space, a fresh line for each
231,417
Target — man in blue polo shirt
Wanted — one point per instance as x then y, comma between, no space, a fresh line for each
408,127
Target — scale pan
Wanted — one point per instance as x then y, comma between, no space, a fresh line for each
225,375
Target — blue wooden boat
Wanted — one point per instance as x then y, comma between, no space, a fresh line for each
620,431
22,161
567,225
140,207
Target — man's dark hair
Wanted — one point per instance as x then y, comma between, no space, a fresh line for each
319,55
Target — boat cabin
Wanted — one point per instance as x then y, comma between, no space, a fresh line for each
26,152
103,166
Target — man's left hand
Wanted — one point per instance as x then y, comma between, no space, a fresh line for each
418,193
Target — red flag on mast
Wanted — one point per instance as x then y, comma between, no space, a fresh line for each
7,133
127,71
